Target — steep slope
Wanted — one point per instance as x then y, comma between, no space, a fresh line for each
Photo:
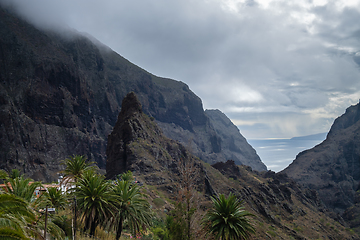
137,144
233,145
282,208
333,167
61,94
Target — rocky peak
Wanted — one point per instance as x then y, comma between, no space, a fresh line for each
132,125
130,106
137,144
333,167
348,119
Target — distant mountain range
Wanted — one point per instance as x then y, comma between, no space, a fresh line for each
318,136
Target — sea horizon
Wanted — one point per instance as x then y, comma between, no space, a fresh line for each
278,153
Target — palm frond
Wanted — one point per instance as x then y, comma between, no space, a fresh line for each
228,219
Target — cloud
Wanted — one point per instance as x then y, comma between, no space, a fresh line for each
280,66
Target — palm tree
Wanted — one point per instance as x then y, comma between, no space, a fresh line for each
93,194
14,173
131,207
75,167
53,197
227,219
22,187
15,217
126,176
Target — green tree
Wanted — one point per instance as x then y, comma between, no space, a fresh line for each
94,200
131,207
54,198
22,187
16,218
127,176
58,223
76,166
227,219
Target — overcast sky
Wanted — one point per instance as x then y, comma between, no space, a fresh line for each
276,68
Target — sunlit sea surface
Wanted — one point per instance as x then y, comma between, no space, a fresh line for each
277,154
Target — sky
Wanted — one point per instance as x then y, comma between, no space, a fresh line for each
276,68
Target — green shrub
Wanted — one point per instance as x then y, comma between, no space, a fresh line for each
158,202
298,229
272,233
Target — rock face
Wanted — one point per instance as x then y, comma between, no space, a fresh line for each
137,144
61,94
233,145
132,125
333,167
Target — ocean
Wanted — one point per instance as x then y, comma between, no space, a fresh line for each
277,154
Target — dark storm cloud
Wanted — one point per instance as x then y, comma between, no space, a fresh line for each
287,66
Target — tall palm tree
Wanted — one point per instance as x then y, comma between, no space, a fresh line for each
93,194
16,217
75,167
131,207
227,219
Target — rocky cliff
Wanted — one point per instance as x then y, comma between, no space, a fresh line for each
333,167
61,94
233,145
138,144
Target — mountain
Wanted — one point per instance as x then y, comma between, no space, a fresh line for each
60,94
318,136
234,145
138,144
333,167
282,208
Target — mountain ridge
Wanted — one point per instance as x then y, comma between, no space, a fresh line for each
60,96
332,167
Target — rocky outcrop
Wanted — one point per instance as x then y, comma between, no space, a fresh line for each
333,167
61,94
233,145
138,144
